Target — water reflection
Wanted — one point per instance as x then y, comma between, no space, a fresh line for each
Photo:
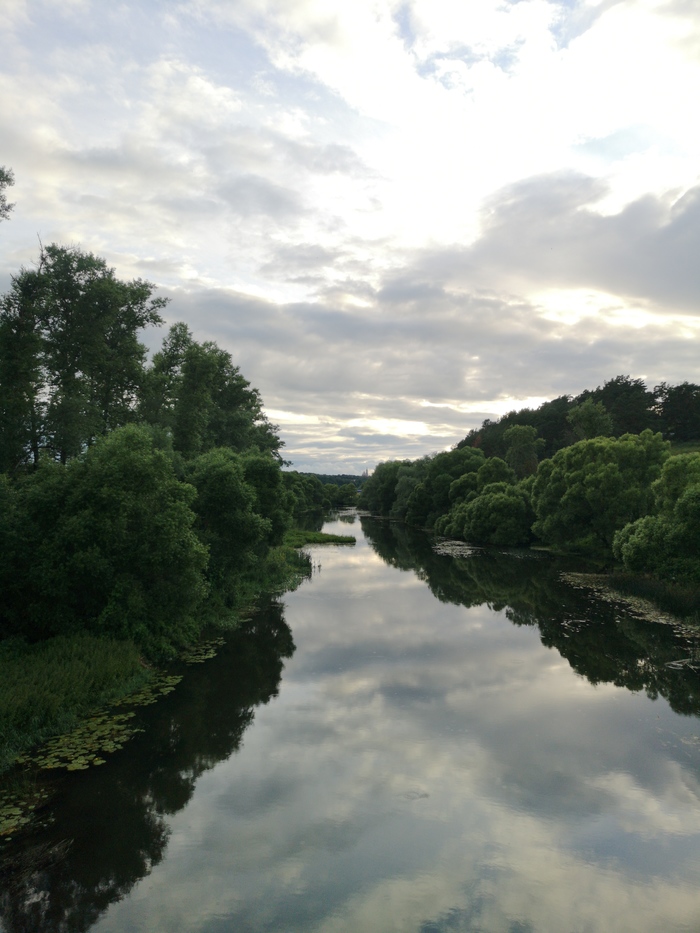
487,760
601,642
109,827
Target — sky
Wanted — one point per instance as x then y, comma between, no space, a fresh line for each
400,218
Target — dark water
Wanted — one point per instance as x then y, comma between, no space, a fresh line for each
408,743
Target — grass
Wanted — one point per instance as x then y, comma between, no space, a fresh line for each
45,688
297,538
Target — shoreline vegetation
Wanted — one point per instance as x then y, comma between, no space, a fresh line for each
143,502
297,537
49,687
611,478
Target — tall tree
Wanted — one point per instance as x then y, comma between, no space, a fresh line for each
523,449
679,410
69,329
195,391
628,401
590,419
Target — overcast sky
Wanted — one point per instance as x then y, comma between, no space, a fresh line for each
399,217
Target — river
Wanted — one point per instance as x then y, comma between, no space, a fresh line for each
408,743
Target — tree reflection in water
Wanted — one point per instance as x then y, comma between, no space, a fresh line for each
600,640
108,825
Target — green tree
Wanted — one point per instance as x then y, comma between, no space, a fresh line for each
108,545
379,491
7,179
22,402
69,332
228,523
679,410
588,491
197,393
494,470
630,404
523,449
500,515
667,543
590,419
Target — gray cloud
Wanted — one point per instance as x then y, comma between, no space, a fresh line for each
250,195
544,232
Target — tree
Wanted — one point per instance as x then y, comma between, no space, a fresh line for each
108,546
71,364
523,449
21,380
667,543
494,470
588,491
590,419
628,401
379,491
500,515
7,179
195,391
679,410
228,522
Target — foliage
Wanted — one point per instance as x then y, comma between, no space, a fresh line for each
195,392
679,411
628,404
106,544
588,491
307,492
631,406
297,537
590,419
71,364
7,179
339,479
44,687
667,543
227,522
431,496
379,491
523,449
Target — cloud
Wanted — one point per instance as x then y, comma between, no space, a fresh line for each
389,212
545,232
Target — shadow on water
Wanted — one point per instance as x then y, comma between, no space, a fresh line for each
601,640
108,826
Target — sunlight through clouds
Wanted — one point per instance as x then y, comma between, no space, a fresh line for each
465,205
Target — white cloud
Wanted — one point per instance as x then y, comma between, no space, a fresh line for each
377,203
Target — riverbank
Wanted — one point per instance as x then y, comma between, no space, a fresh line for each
47,688
647,599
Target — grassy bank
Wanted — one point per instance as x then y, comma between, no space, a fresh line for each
297,538
46,687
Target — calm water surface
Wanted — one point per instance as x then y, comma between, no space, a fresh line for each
407,743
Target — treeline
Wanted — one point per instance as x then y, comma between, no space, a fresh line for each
137,499
339,479
621,406
591,485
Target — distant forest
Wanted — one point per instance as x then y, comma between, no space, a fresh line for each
613,473
629,408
